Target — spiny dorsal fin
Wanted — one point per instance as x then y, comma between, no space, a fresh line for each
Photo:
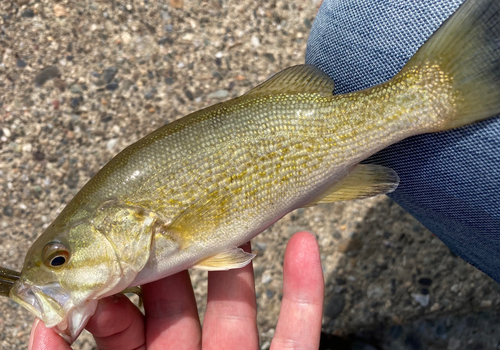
364,180
297,79
233,258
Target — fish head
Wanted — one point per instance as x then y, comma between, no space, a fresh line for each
64,274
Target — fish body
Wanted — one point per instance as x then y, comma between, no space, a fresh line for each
188,194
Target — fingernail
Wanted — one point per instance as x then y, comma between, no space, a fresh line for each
32,334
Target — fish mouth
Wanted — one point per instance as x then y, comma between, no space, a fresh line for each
53,305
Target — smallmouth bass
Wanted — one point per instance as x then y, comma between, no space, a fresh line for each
190,193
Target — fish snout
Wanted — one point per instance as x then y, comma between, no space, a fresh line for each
53,305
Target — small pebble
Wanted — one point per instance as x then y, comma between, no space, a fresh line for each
29,13
109,73
421,299
178,4
340,281
189,94
349,245
21,64
8,211
266,278
334,306
485,303
14,147
59,11
270,57
165,40
425,281
435,307
6,132
112,86
219,94
76,89
260,246
60,84
72,178
125,37
165,15
47,74
27,148
111,144
374,291
75,102
307,23
38,155
255,41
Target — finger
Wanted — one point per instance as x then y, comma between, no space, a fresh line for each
43,338
299,322
172,320
117,324
231,318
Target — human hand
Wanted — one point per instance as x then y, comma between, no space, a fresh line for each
171,318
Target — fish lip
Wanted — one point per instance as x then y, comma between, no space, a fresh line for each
22,294
76,320
59,312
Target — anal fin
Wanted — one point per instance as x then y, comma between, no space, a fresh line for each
363,181
233,258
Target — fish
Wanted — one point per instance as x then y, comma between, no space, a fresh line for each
190,193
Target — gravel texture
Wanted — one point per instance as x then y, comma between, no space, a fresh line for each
81,80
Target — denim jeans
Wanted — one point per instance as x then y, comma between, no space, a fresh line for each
450,181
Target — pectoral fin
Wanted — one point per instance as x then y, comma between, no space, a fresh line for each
364,180
233,258
199,220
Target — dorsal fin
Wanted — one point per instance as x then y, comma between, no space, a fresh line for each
296,79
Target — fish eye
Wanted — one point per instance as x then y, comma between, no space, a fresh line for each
55,255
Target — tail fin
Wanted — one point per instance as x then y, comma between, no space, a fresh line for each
467,48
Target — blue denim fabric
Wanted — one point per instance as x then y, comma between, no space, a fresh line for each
450,181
